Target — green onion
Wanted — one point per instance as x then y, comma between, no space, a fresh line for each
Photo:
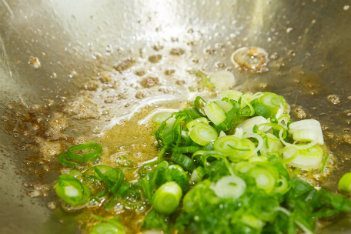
199,104
215,113
344,184
197,175
252,221
307,130
243,167
229,187
269,104
177,174
62,158
196,121
78,154
264,178
184,161
108,227
202,134
157,116
112,177
248,125
271,145
222,80
304,159
167,198
84,152
226,106
71,190
282,185
186,149
235,148
232,94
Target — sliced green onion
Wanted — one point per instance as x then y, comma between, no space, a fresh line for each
268,105
258,138
71,190
167,198
248,125
62,158
229,187
245,105
83,153
344,184
112,177
307,130
231,94
157,116
177,174
196,121
235,148
197,175
304,159
215,113
199,104
184,161
264,178
186,149
252,221
297,146
282,185
222,80
226,106
271,144
110,227
243,167
202,134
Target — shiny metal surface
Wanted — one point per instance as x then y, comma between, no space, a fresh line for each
309,42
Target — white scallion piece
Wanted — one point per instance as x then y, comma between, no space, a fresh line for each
307,130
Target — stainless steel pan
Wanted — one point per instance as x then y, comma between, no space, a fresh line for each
54,52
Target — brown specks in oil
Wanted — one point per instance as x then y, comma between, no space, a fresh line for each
169,72
157,47
140,94
34,62
155,58
298,112
124,65
149,82
176,51
140,72
334,99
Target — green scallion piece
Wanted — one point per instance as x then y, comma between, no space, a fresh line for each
71,190
84,152
184,161
235,148
344,184
268,104
167,198
108,227
215,113
264,178
202,134
78,154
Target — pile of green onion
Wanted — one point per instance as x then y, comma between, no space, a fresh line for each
228,165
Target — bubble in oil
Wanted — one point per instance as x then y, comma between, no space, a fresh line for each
34,62
334,99
155,58
253,59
